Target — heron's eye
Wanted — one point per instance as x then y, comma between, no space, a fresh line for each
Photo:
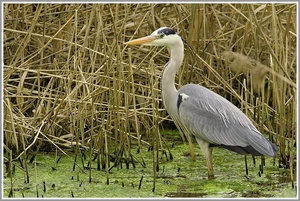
161,35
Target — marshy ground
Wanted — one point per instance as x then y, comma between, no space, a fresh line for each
180,177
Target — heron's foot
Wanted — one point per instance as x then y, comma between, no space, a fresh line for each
211,176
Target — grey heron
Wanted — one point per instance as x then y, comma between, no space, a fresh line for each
198,111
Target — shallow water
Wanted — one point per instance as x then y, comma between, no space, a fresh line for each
180,177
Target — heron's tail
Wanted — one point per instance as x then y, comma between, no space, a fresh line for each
262,145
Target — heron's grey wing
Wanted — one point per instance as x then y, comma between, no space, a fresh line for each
212,118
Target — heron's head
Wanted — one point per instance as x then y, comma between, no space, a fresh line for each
163,36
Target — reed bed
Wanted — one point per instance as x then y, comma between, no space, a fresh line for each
70,82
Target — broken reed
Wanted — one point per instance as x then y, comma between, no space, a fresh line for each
73,84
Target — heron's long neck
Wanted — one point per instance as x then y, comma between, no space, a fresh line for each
169,91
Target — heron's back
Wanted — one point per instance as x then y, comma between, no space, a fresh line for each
210,117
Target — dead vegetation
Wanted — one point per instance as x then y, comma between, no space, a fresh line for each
69,82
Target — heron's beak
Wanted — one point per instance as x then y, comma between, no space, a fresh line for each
140,41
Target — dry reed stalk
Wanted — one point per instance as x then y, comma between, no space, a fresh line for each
10,169
154,131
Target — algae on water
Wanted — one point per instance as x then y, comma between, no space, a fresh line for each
180,177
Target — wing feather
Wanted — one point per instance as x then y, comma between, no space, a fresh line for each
212,118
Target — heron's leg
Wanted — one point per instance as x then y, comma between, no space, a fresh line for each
207,152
